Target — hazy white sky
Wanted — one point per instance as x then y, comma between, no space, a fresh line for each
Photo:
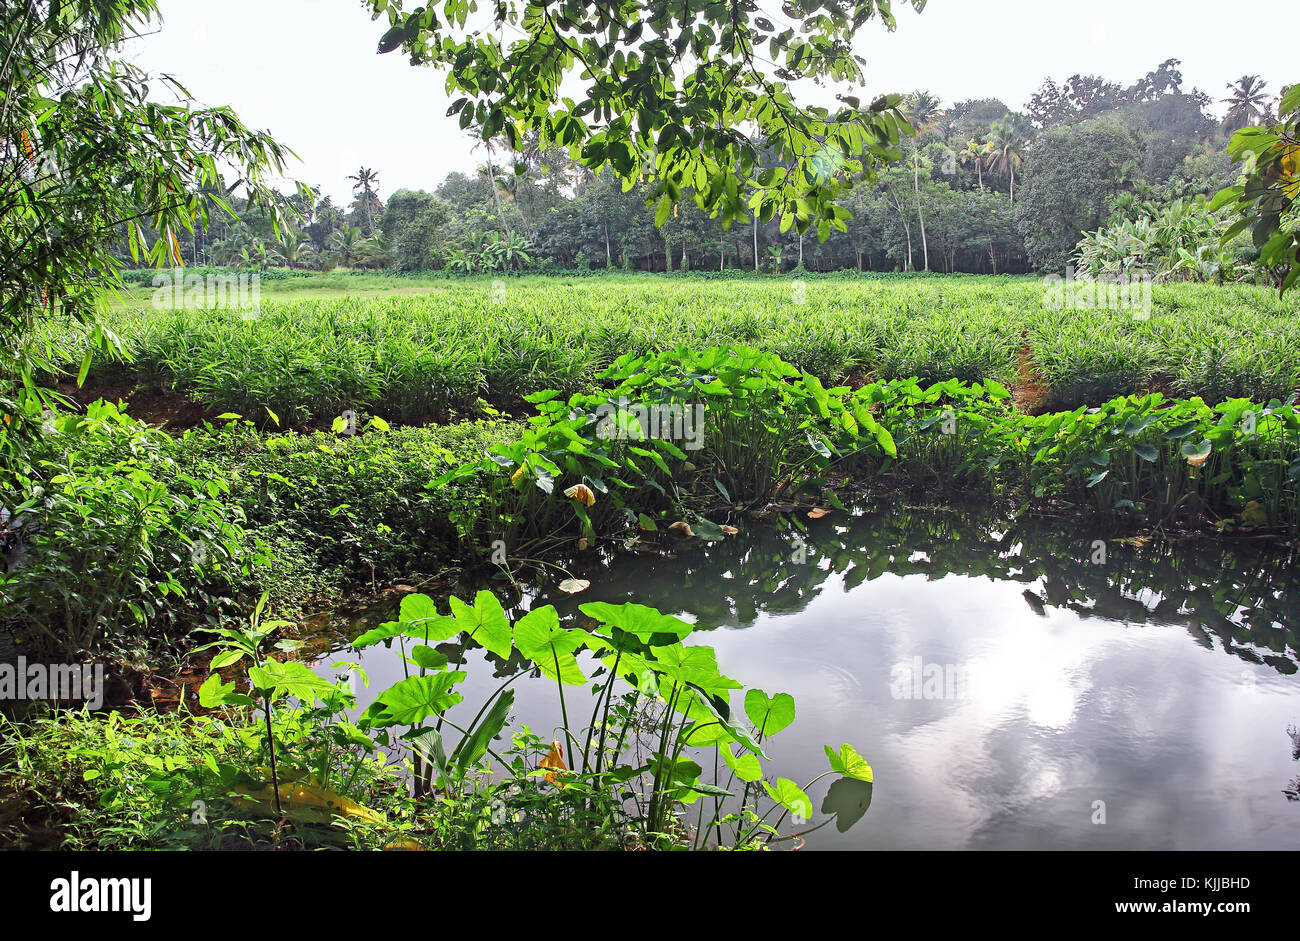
308,71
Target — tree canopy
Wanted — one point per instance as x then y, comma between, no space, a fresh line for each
88,158
687,96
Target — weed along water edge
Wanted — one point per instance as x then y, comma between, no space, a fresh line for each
1012,685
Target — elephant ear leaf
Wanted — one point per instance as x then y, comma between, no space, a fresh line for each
540,638
415,698
485,623
850,764
709,709
790,796
745,765
769,715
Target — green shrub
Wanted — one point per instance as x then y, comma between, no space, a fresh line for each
361,506
129,546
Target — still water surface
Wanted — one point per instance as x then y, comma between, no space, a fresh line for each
1007,684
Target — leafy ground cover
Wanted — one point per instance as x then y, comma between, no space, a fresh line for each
432,349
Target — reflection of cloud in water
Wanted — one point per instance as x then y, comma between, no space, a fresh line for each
1063,709
1086,684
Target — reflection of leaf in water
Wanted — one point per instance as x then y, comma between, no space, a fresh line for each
1036,603
855,577
848,799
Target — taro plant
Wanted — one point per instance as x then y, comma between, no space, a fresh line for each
657,705
747,424
769,428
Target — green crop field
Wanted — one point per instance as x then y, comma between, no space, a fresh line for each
411,349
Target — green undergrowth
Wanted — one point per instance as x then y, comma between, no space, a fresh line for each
141,537
438,348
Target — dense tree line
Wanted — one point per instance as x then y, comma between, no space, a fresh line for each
979,188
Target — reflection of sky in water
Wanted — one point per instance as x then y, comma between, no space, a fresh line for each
1186,745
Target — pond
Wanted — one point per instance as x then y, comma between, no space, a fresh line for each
1014,684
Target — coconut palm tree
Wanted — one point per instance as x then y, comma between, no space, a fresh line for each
1008,149
922,110
366,181
977,153
1247,103
348,245
490,171
295,249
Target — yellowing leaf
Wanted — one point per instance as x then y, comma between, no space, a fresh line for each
1254,514
554,761
407,844
582,493
306,801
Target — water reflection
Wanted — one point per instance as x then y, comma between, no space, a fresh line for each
1012,686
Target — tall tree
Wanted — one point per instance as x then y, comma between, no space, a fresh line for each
671,104
86,159
976,153
1008,149
1247,103
365,187
922,110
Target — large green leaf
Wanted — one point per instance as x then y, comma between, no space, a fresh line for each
695,665
645,622
540,638
745,765
414,699
486,622
769,715
214,693
427,743
291,679
427,658
849,763
422,621
790,796
475,745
